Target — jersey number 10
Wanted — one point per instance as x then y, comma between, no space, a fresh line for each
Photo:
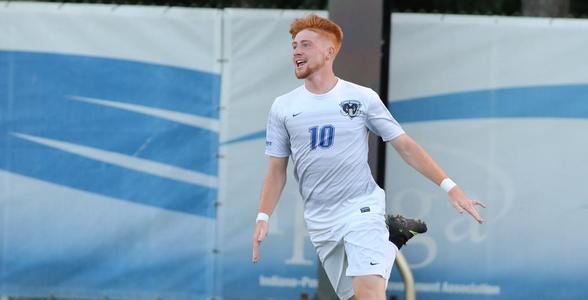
321,137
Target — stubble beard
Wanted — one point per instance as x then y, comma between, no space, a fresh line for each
307,71
302,74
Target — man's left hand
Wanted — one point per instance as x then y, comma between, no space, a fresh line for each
461,202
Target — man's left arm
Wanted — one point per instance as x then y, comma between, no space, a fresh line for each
413,154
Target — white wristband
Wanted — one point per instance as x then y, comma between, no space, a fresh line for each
447,184
262,217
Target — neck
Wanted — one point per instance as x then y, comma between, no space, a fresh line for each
321,81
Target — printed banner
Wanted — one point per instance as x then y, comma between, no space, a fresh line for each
108,142
500,103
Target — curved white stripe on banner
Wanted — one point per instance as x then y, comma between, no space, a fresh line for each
129,162
188,119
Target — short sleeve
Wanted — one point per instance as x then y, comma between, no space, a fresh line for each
380,121
277,141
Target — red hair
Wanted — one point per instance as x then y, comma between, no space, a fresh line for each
319,25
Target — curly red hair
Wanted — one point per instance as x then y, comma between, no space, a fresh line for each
319,25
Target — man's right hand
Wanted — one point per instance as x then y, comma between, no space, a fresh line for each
258,236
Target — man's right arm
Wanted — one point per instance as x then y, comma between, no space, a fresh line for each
273,184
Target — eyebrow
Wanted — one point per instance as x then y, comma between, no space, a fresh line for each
302,41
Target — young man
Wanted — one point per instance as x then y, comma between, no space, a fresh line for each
323,125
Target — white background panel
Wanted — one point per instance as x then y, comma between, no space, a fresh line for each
438,54
181,37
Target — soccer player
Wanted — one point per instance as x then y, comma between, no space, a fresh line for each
323,125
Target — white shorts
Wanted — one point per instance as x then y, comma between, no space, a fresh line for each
358,245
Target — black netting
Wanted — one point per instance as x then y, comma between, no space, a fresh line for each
282,4
577,8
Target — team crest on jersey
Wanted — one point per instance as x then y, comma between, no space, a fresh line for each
350,108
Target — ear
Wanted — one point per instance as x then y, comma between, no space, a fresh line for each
331,52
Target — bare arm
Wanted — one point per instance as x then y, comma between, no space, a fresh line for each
273,185
414,155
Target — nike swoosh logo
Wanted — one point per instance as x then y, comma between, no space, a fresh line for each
373,264
294,115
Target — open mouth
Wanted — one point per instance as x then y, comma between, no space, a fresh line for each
300,63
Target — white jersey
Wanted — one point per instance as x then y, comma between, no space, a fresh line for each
327,137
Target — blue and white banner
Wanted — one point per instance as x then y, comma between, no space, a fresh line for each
109,130
258,68
501,104
118,177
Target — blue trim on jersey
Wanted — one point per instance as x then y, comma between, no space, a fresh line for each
558,101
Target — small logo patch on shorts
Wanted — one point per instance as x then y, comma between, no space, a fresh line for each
365,209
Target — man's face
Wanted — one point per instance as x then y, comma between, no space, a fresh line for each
310,51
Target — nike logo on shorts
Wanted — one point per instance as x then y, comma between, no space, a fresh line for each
373,264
